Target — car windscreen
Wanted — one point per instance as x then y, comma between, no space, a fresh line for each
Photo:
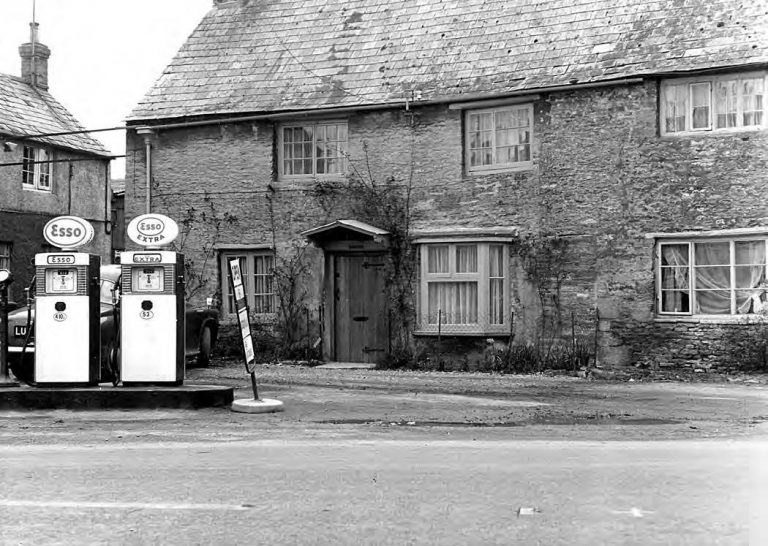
105,292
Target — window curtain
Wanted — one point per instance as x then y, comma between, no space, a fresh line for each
452,302
713,278
263,277
675,284
496,284
437,259
244,272
466,259
750,276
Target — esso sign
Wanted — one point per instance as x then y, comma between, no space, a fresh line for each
152,230
68,232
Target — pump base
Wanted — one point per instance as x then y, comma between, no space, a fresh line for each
105,396
263,405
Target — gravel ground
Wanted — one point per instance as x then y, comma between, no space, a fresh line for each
694,405
367,404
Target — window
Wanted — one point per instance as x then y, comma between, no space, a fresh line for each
464,288
713,103
499,138
313,150
5,256
36,169
712,277
258,280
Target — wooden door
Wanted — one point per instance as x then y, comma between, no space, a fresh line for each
360,308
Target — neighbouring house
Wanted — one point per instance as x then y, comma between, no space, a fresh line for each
47,169
436,177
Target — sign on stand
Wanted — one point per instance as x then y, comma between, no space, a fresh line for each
241,307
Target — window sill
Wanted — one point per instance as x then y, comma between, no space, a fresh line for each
313,177
527,166
34,189
707,133
713,319
501,331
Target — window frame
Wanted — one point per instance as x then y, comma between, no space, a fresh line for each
249,282
6,249
483,279
343,155
36,173
494,166
692,284
714,106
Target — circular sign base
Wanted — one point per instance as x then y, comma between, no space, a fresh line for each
263,405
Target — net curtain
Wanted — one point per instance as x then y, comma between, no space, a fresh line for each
712,277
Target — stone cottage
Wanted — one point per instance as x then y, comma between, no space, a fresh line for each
442,173
47,169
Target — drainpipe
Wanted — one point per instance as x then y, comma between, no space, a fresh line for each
107,201
147,134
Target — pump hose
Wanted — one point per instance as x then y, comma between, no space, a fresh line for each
30,325
112,358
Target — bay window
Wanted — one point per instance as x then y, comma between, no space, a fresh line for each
464,288
712,277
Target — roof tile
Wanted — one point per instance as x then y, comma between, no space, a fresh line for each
282,55
27,110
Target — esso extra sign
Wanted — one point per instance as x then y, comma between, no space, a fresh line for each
68,232
152,230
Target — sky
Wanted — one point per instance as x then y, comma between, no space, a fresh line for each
105,54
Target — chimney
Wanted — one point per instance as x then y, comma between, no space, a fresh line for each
34,60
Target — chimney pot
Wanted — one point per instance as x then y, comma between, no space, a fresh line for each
34,59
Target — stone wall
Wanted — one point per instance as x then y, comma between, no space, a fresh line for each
602,179
78,188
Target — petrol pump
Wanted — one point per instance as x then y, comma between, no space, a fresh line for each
67,321
152,317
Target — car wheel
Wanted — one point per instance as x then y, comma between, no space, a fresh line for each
24,370
206,342
112,372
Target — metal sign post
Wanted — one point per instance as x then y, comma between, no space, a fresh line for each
241,308
5,280
256,405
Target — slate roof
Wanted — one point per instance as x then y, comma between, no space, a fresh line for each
26,110
282,55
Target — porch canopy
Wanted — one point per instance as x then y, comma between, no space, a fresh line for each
346,230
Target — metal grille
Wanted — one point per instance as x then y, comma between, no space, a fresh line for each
169,282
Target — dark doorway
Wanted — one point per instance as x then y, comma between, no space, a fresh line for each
360,308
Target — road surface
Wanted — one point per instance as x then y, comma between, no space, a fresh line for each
386,491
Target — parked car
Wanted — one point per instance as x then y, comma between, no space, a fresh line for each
202,327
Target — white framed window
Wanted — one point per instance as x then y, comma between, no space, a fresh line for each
36,169
312,149
712,277
464,288
499,139
713,103
5,255
258,269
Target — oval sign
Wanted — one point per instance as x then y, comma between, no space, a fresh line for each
68,232
152,230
